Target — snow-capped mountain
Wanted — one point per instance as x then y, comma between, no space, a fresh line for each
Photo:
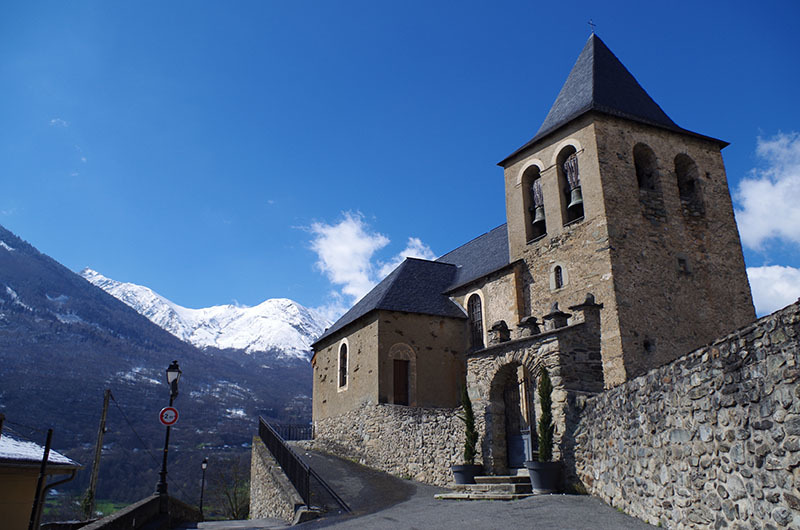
63,341
277,325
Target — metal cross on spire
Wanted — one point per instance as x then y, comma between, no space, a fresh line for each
592,25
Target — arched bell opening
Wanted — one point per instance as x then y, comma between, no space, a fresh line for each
533,202
570,183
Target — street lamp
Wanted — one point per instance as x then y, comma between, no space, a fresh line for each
204,465
173,376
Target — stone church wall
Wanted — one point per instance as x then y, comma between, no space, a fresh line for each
679,278
362,366
433,345
500,298
711,439
408,442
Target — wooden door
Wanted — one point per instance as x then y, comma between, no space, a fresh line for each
401,382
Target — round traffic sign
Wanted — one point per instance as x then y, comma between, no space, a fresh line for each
168,416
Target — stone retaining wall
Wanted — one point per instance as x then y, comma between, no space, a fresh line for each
271,493
145,514
711,439
408,442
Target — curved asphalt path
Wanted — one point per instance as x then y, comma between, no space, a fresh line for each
382,501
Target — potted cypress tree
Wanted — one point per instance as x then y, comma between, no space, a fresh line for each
465,473
545,474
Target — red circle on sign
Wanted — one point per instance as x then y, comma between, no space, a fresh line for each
168,416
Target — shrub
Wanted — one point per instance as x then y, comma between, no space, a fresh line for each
471,438
546,426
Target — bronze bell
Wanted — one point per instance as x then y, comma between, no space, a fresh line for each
575,197
538,214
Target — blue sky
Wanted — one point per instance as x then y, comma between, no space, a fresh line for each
229,152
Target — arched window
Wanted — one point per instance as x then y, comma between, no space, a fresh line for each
533,202
343,366
559,276
570,182
475,315
644,160
688,184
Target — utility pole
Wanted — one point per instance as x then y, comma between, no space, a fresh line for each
38,500
97,451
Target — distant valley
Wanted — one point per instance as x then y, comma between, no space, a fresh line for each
64,340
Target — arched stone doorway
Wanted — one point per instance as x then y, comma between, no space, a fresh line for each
509,417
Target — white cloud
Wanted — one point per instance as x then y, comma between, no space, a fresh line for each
345,251
415,248
774,287
335,307
58,122
769,198
346,255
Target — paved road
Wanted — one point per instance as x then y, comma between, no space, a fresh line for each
382,501
550,512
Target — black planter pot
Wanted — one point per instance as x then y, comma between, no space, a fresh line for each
545,476
465,473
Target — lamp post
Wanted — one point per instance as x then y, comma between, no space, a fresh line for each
204,465
173,376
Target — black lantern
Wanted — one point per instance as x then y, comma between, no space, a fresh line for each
173,376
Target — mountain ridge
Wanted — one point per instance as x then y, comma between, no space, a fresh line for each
278,325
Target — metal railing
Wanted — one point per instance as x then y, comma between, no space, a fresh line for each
294,431
297,471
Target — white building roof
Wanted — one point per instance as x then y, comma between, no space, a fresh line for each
18,451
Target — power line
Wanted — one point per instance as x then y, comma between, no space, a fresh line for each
144,444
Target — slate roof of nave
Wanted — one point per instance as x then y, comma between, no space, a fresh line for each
600,82
481,256
415,286
419,286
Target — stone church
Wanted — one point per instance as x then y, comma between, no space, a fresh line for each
620,253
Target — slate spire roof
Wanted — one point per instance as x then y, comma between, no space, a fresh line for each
600,82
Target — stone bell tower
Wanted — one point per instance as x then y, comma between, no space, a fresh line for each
612,197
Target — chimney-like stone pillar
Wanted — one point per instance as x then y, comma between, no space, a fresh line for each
590,310
528,327
556,318
499,332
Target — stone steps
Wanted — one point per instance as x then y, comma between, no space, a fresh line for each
489,488
501,479
482,496
498,488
